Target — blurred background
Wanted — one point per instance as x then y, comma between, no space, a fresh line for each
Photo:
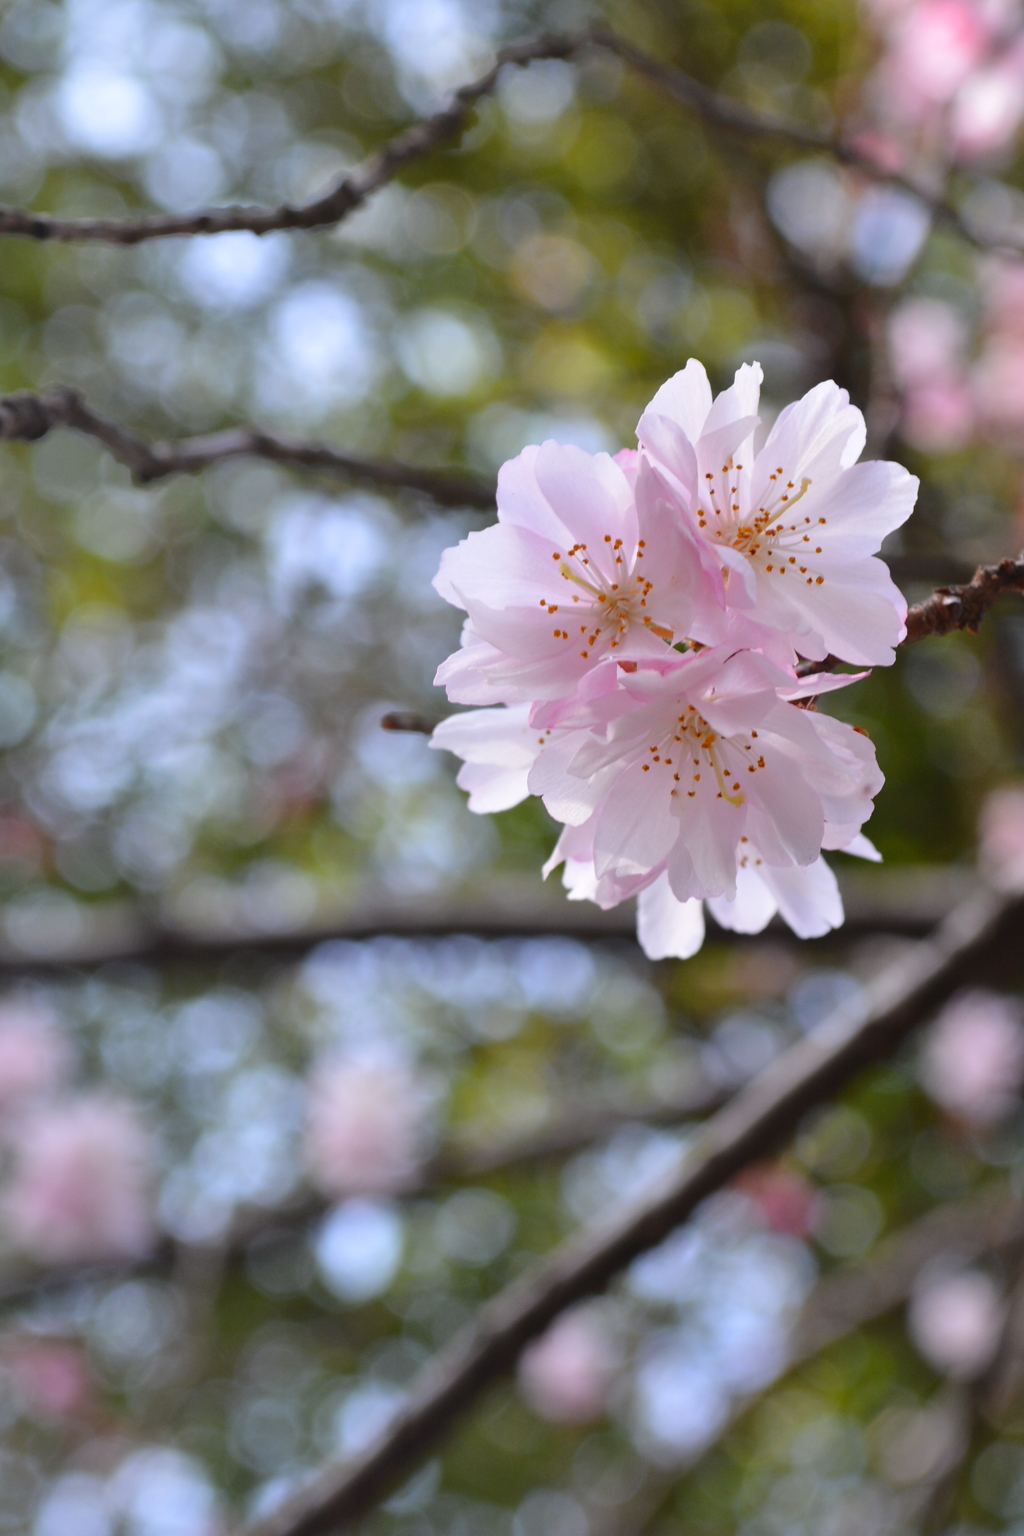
299,1061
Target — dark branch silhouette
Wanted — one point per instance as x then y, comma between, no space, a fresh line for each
907,900
750,1126
720,113
27,417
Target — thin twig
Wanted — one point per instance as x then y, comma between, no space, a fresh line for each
750,1126
964,607
949,608
721,113
28,417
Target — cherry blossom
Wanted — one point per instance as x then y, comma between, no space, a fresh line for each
79,1191
973,1060
585,561
794,528
365,1130
682,765
566,1374
698,778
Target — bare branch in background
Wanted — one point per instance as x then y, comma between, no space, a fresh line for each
27,417
721,113
907,900
752,1125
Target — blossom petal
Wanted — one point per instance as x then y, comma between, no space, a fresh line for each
686,399
808,897
636,827
667,928
752,909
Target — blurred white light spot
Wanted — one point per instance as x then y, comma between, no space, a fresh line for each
499,432
315,542
43,921
474,1226
888,231
539,93
358,1249
162,1492
810,205
443,354
235,270
365,1414
436,41
550,1513
322,347
554,974
185,174
107,113
75,1505
852,1220
17,708
680,1402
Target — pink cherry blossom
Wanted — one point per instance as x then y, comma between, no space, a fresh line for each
365,1132
955,1321
584,561
1001,838
679,764
790,531
973,1059
566,1374
79,1190
33,1055
659,803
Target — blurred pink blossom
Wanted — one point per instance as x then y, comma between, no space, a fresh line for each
927,341
955,1322
33,1056
365,1131
950,80
52,1376
938,418
79,1190
566,1375
973,1059
926,338
785,1201
1001,838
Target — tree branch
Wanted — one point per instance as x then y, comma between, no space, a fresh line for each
964,606
907,900
28,417
750,1126
721,113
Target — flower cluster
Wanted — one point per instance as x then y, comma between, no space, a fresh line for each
634,628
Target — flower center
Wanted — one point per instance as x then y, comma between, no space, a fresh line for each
693,749
768,537
610,605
